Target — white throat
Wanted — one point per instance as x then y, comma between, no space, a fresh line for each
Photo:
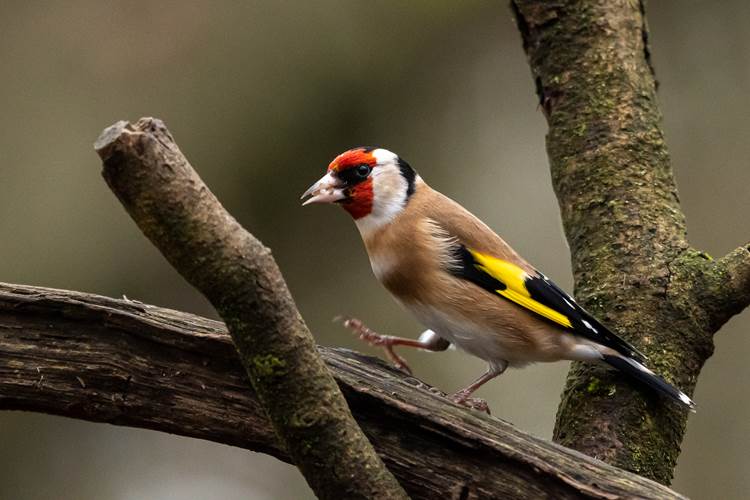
370,224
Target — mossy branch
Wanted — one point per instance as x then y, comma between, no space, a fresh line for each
632,263
726,286
184,220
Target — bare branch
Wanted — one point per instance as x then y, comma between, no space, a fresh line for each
128,363
184,220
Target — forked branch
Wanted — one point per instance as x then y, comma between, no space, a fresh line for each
632,263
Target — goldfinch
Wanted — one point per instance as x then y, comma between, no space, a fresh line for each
461,280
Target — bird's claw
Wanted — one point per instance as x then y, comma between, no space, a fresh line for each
375,339
478,404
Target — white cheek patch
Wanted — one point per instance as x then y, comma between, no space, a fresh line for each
383,156
389,190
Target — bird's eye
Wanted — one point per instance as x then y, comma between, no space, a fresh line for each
355,174
363,171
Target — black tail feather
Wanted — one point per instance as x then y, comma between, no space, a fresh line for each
642,374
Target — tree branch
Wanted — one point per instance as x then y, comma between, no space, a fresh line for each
182,218
128,363
725,289
618,199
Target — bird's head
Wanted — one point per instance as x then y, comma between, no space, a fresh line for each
372,184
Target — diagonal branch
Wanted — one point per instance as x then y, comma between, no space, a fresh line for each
128,363
184,220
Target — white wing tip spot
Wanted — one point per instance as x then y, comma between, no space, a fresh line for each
590,326
686,400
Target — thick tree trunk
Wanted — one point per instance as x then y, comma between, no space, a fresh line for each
632,264
128,363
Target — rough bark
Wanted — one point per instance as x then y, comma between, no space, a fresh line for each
184,220
127,363
632,263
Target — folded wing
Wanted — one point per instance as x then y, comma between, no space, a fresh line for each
538,294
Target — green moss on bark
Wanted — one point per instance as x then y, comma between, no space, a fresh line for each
632,264
268,366
177,212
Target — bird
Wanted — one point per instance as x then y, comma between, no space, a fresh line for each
462,281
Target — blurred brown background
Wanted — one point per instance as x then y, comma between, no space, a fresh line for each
261,95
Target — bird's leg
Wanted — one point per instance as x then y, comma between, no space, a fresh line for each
463,397
428,340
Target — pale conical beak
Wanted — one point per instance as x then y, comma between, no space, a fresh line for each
328,189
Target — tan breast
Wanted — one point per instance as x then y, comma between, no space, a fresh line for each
409,257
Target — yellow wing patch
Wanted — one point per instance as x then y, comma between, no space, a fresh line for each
515,280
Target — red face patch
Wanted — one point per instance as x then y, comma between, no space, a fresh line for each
359,201
359,198
352,158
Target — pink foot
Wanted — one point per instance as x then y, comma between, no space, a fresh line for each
478,404
375,339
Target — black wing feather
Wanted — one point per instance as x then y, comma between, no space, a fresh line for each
465,267
546,292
